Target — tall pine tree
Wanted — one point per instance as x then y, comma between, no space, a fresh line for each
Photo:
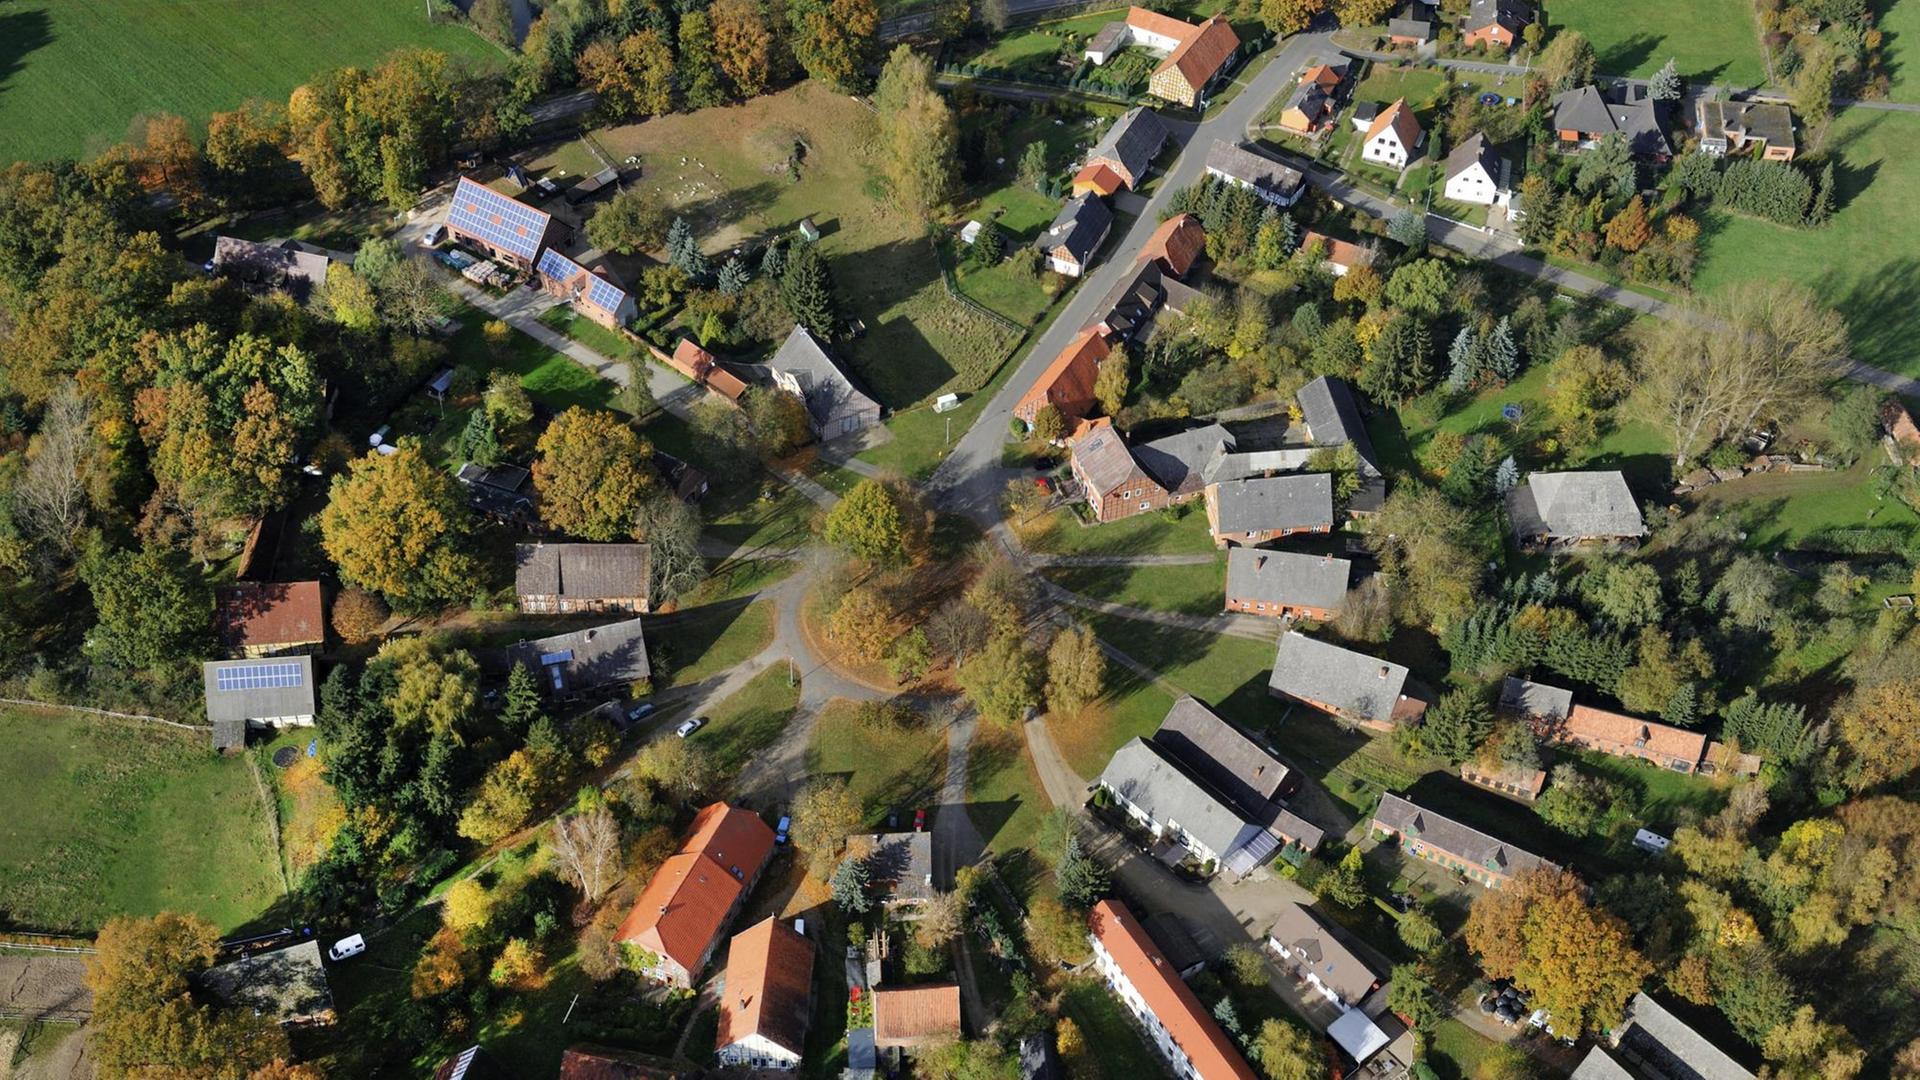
1463,359
807,288
1502,356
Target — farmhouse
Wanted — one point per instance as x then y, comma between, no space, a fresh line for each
1196,55
1652,1043
1475,174
580,662
288,985
1347,684
1310,108
679,916
1269,179
1496,23
586,1061
1123,155
1570,508
1585,115
591,292
899,869
1179,1025
1331,415
1317,954
566,579
768,1001
1411,24
270,618
1341,257
1175,245
1067,384
910,1017
835,406
1466,851
1286,584
1076,233
256,693
1129,308
507,229
1734,127
1536,703
1114,483
1626,736
1259,509
1393,137
285,267
499,492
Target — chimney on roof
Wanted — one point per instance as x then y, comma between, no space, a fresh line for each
1383,671
1259,561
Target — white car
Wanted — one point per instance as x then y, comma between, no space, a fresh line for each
690,726
347,946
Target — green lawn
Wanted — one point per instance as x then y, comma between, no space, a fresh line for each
1782,510
748,721
1142,534
589,333
730,580
106,817
76,71
1385,84
1456,1051
1712,40
886,769
1004,796
1115,1044
705,642
1193,590
1900,46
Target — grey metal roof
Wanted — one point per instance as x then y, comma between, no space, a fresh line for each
1079,227
1036,1057
1220,754
1324,954
1591,111
1468,844
1262,172
1414,19
258,702
1661,1042
899,864
1225,468
581,571
1111,37
1354,683
1294,501
1511,14
1599,1065
1147,776
287,984
1575,505
229,734
1132,141
1476,150
1332,418
1179,462
1535,699
1104,460
584,659
828,390
1287,577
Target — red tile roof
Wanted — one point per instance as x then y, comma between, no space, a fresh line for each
915,1015
1176,243
1320,75
1098,176
1899,424
1203,53
1167,996
1399,117
1155,23
769,986
601,1063
259,613
704,368
1339,252
684,907
1067,384
1589,724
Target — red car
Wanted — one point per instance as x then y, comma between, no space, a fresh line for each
919,821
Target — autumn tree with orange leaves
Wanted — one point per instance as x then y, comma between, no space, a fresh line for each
1575,961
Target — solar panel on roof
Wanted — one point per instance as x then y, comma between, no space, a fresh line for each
557,266
605,294
496,219
275,676
561,657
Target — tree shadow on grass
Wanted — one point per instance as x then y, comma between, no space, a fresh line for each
1882,310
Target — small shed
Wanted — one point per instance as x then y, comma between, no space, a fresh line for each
809,231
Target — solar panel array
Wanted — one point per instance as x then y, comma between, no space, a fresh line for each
505,223
273,676
605,294
557,266
601,293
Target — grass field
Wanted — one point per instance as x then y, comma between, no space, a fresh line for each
1142,534
704,642
1712,40
896,769
1192,590
748,721
103,817
1900,46
1781,510
1004,796
74,72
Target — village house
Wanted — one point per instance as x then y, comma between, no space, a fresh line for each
1076,234
1195,55
287,986
1587,114
501,493
1176,245
835,406
572,579
1734,127
1179,1026
591,292
1496,23
1067,383
473,1063
1475,174
1273,182
1393,137
1411,24
1347,684
270,618
508,230
1256,510
1311,107
1651,1043
1286,584
1331,415
899,869
1123,156
1341,257
703,369
286,266
580,662
1179,461
680,916
1535,703
262,693
915,1017
1317,954
1571,508
768,1001
1114,484
1466,851
1627,736
586,1061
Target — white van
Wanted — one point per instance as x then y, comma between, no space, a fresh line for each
347,946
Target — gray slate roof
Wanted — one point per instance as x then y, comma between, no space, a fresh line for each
1474,150
1148,777
1336,965
1294,501
1332,417
289,985
1179,462
1660,1041
585,659
1352,682
1132,141
827,389
284,266
1589,110
1220,754
1111,37
1287,577
581,571
1079,227
257,703
1512,14
1575,505
898,864
1534,699
1414,19
1468,844
1244,165
1104,460
1600,1065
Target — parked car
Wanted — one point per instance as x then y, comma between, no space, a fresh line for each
688,727
639,712
919,821
434,236
780,830
353,945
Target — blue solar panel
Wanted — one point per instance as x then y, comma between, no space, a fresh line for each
601,293
557,266
605,294
562,657
505,223
276,676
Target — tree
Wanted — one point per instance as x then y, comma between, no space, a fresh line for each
671,530
1002,681
917,133
1411,994
1357,13
1418,537
1419,932
1820,211
1409,229
146,1021
1502,355
832,39
699,70
824,815
862,624
1287,1052
505,798
591,471
1033,168
397,526
1058,936
1463,359
1398,364
520,967
1048,425
1457,725
1082,881
1290,16
358,616
1627,594
1665,85
493,19
152,608
1076,670
683,251
743,44
807,288
1879,728
734,277
1608,169
1573,802
1629,230
676,766
849,885
468,907
1346,886
1423,286
1111,382
940,920
779,420
1811,87
1567,62
868,524
1576,962
51,497
630,223
910,657
588,845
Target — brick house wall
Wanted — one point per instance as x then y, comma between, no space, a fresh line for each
1493,33
1277,610
1472,871
544,604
